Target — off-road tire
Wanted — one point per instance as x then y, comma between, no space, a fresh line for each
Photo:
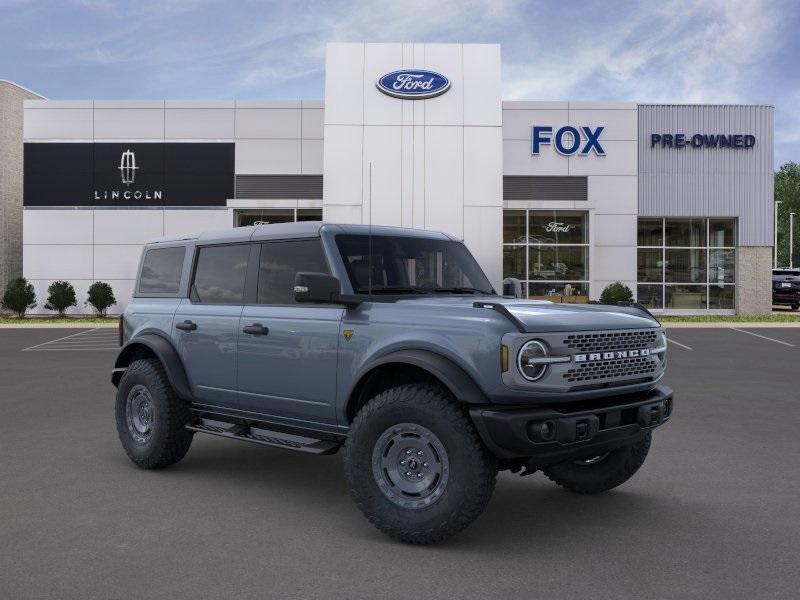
613,470
472,470
169,440
795,306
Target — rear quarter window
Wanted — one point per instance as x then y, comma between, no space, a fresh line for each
161,271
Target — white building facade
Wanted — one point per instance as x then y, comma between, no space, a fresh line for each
673,201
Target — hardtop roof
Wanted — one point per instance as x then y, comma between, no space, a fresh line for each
276,231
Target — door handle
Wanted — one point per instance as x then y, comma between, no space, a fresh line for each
186,326
255,329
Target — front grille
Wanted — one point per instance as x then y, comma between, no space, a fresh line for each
610,341
640,366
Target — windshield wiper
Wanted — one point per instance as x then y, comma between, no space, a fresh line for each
460,290
390,289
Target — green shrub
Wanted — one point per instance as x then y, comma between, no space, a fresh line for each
101,297
616,292
60,296
19,297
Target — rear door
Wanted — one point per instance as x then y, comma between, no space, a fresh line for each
207,323
287,352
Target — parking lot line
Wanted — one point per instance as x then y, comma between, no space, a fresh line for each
758,335
684,346
91,339
57,340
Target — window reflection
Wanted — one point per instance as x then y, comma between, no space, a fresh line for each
686,264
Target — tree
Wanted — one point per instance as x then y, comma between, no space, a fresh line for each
60,296
616,292
787,191
19,297
101,297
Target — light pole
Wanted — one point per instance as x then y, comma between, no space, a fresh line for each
777,204
791,238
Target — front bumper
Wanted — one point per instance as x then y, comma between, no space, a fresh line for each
786,297
549,435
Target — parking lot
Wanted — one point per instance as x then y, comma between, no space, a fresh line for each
714,512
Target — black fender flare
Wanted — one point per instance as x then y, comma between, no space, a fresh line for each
165,352
455,378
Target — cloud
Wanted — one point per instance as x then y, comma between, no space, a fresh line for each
680,50
667,50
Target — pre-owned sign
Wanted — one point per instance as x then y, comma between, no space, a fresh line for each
128,174
702,140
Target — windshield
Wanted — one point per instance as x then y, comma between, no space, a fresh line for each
785,273
410,265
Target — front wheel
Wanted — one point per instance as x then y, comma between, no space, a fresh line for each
415,465
600,473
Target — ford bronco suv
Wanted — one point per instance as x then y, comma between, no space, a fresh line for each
391,344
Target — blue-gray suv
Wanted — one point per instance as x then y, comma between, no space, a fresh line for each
391,344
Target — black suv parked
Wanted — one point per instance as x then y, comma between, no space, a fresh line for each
786,287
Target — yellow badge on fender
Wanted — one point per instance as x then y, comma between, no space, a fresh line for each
348,333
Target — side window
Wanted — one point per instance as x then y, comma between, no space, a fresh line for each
161,271
280,262
220,274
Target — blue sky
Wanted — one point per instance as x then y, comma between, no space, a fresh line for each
667,50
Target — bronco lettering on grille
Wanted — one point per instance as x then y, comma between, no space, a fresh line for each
595,356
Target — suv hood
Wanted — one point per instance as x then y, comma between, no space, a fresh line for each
537,316
545,316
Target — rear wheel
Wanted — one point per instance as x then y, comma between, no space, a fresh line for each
795,306
151,419
415,465
597,474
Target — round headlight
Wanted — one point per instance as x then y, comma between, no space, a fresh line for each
529,360
662,344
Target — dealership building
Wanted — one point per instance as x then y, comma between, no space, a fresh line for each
674,200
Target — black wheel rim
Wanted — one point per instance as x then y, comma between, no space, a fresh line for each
410,465
139,413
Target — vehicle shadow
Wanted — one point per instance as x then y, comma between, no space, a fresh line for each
522,510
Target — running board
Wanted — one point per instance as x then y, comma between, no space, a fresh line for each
266,437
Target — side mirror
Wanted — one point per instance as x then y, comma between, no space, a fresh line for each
316,287
321,288
512,287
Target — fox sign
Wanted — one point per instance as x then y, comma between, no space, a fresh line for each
568,140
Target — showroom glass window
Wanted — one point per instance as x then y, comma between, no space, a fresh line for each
264,216
687,264
548,250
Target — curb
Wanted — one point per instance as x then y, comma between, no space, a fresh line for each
58,326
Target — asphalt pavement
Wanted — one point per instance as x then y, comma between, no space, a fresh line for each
713,513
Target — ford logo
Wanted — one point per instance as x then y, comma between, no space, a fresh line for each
413,84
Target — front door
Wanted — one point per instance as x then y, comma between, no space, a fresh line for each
287,352
207,323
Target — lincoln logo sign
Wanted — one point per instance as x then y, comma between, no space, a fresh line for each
127,167
568,140
413,84
127,173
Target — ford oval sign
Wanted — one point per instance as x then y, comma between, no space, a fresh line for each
413,84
